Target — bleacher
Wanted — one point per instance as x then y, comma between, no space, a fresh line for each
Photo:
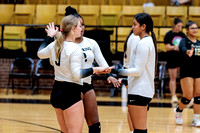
115,16
31,13
112,13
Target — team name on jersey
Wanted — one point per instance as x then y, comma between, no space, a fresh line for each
86,49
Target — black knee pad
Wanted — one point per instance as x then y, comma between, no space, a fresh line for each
197,100
185,100
140,131
95,128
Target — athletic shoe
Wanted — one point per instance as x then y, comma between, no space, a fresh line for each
196,120
174,99
174,105
178,117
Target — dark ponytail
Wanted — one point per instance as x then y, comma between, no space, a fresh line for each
145,18
72,11
155,46
125,44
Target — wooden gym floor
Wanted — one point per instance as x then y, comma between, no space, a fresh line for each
20,113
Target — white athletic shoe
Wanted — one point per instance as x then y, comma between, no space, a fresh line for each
174,99
196,120
178,117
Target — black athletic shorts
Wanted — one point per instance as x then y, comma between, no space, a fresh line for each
86,87
173,59
188,71
65,94
138,100
173,64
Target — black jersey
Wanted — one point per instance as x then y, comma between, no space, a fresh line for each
173,56
173,38
190,62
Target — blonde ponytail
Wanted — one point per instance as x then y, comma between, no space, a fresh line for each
59,44
66,25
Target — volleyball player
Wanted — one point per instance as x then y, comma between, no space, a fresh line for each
129,48
91,52
141,72
66,57
190,74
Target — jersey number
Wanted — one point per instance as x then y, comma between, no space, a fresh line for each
85,56
197,51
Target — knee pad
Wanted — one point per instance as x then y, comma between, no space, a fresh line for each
140,131
95,128
197,100
185,100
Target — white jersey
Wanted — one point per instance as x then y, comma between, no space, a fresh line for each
131,48
142,68
70,61
91,51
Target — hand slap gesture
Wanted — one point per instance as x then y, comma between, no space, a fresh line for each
102,70
51,30
190,53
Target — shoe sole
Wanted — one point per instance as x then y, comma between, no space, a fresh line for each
179,123
193,124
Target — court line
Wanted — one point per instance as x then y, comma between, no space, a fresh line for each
30,123
99,103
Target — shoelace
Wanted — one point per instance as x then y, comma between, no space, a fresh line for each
197,120
178,115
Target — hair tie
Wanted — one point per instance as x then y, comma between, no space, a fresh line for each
61,30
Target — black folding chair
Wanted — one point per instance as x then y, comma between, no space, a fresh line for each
43,70
21,68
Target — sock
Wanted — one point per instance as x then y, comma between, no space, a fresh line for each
140,131
95,128
178,110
